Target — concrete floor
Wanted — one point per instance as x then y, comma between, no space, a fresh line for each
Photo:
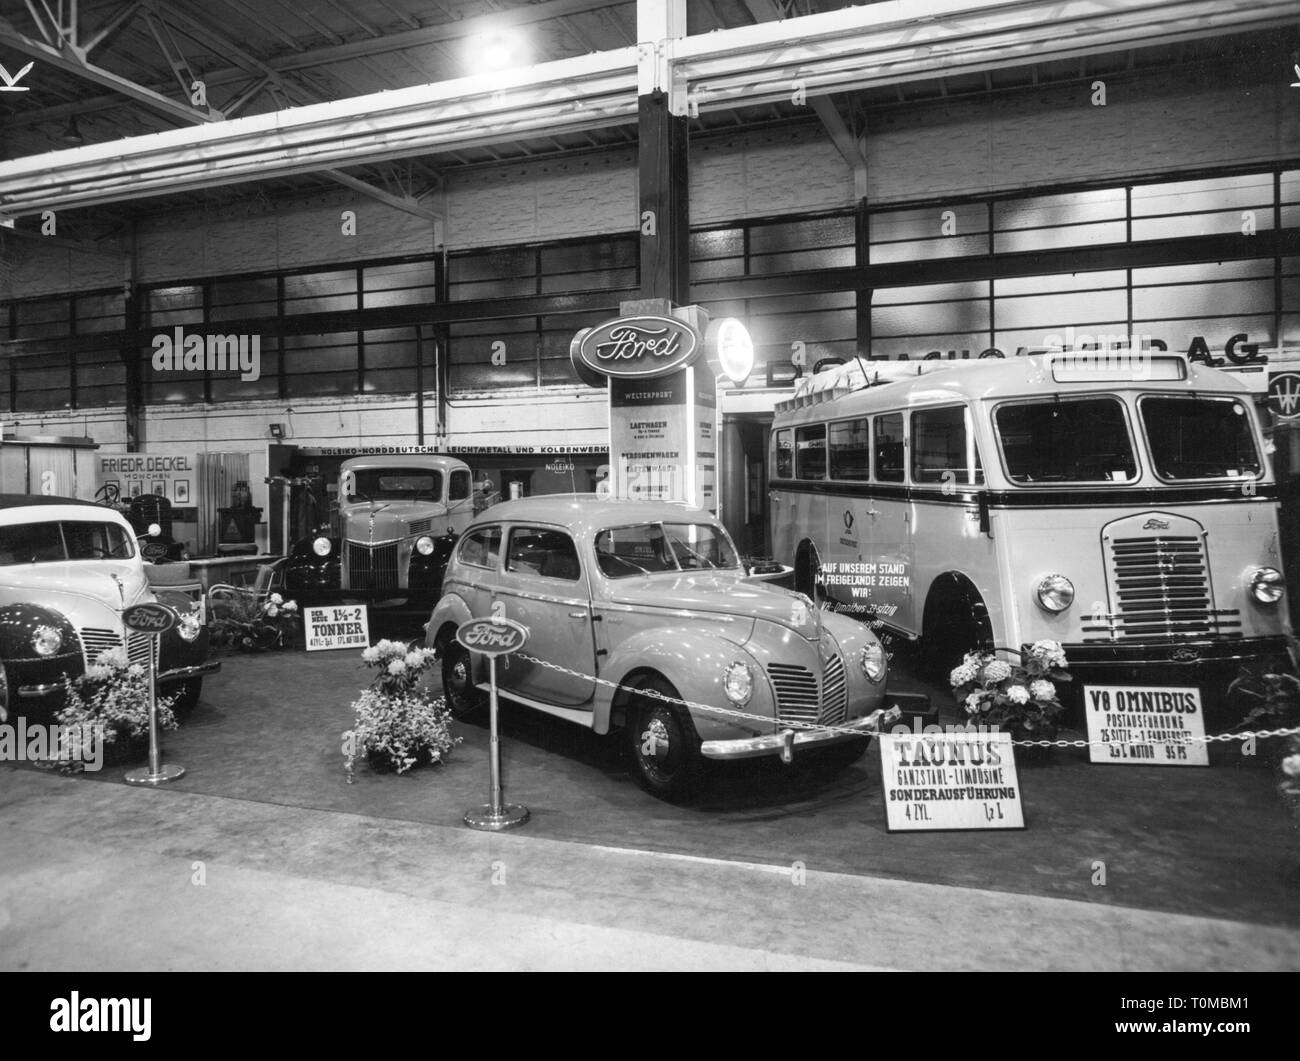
263,858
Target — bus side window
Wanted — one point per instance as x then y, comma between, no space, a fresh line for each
849,450
939,447
888,443
810,452
784,455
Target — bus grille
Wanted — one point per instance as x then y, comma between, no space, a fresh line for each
372,567
94,641
1160,590
797,698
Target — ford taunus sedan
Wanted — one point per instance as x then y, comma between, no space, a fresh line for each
68,569
629,602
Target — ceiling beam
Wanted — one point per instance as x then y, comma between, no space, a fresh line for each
851,48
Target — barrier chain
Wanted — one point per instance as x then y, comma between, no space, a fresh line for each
881,717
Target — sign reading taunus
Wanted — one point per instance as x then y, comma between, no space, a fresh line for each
637,347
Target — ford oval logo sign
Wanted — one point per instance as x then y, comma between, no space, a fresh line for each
492,637
639,347
149,618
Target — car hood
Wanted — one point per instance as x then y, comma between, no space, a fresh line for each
392,519
720,594
71,586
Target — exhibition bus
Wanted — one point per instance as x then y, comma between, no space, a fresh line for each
1118,504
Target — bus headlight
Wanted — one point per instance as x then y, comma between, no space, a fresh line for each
1267,585
321,547
424,545
46,641
738,683
1055,593
873,662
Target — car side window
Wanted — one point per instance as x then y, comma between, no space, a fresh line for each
460,486
481,547
542,552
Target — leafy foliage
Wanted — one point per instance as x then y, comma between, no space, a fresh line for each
1017,697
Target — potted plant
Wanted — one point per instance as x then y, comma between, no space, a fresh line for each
1017,697
112,698
240,621
396,724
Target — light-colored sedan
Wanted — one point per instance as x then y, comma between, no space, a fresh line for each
640,618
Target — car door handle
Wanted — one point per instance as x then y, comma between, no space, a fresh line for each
578,615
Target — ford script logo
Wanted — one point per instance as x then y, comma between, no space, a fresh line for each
492,637
1186,655
149,618
639,347
1156,524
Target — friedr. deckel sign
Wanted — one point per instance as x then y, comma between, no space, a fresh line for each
639,347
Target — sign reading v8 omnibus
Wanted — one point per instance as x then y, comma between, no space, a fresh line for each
1122,508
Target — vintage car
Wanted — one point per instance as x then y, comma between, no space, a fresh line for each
68,569
398,520
626,602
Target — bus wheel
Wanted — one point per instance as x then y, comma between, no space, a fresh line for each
807,573
954,624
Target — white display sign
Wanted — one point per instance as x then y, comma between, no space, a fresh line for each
338,626
170,475
1149,725
950,781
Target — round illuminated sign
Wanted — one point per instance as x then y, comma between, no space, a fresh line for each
492,637
1284,394
638,347
731,350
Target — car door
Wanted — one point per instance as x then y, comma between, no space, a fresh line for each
543,585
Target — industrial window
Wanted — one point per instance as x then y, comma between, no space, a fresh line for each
44,319
810,452
322,292
850,450
101,378
390,357
887,442
400,284
320,364
43,382
942,450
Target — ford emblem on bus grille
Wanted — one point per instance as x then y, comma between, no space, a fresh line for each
1156,524
639,347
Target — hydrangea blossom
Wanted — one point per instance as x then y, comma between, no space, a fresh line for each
1049,652
397,666
973,703
1018,694
1291,765
276,598
962,674
1042,689
997,670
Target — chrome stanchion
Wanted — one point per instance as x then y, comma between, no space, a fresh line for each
157,772
495,816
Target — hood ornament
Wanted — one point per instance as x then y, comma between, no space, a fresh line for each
121,589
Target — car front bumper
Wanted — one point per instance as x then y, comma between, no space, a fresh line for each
785,742
176,674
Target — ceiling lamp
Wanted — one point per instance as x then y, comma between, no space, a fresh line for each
72,135
498,49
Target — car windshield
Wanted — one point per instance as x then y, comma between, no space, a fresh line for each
1083,440
396,484
1199,438
649,548
39,543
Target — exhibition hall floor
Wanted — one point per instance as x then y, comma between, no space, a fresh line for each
775,867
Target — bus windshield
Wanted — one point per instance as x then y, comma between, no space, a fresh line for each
1066,440
1199,438
648,548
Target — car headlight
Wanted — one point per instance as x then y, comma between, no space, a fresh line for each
1055,593
874,662
738,683
424,545
321,547
189,626
1268,585
46,640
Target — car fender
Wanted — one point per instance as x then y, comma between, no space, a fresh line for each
448,615
852,637
694,661
19,621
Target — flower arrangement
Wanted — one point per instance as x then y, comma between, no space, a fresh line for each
1276,705
112,697
240,621
1017,697
396,724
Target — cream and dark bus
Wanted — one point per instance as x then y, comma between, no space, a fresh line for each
1120,504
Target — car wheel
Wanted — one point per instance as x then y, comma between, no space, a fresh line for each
464,699
664,746
187,696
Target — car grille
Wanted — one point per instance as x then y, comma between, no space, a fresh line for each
372,567
94,641
798,698
1160,588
